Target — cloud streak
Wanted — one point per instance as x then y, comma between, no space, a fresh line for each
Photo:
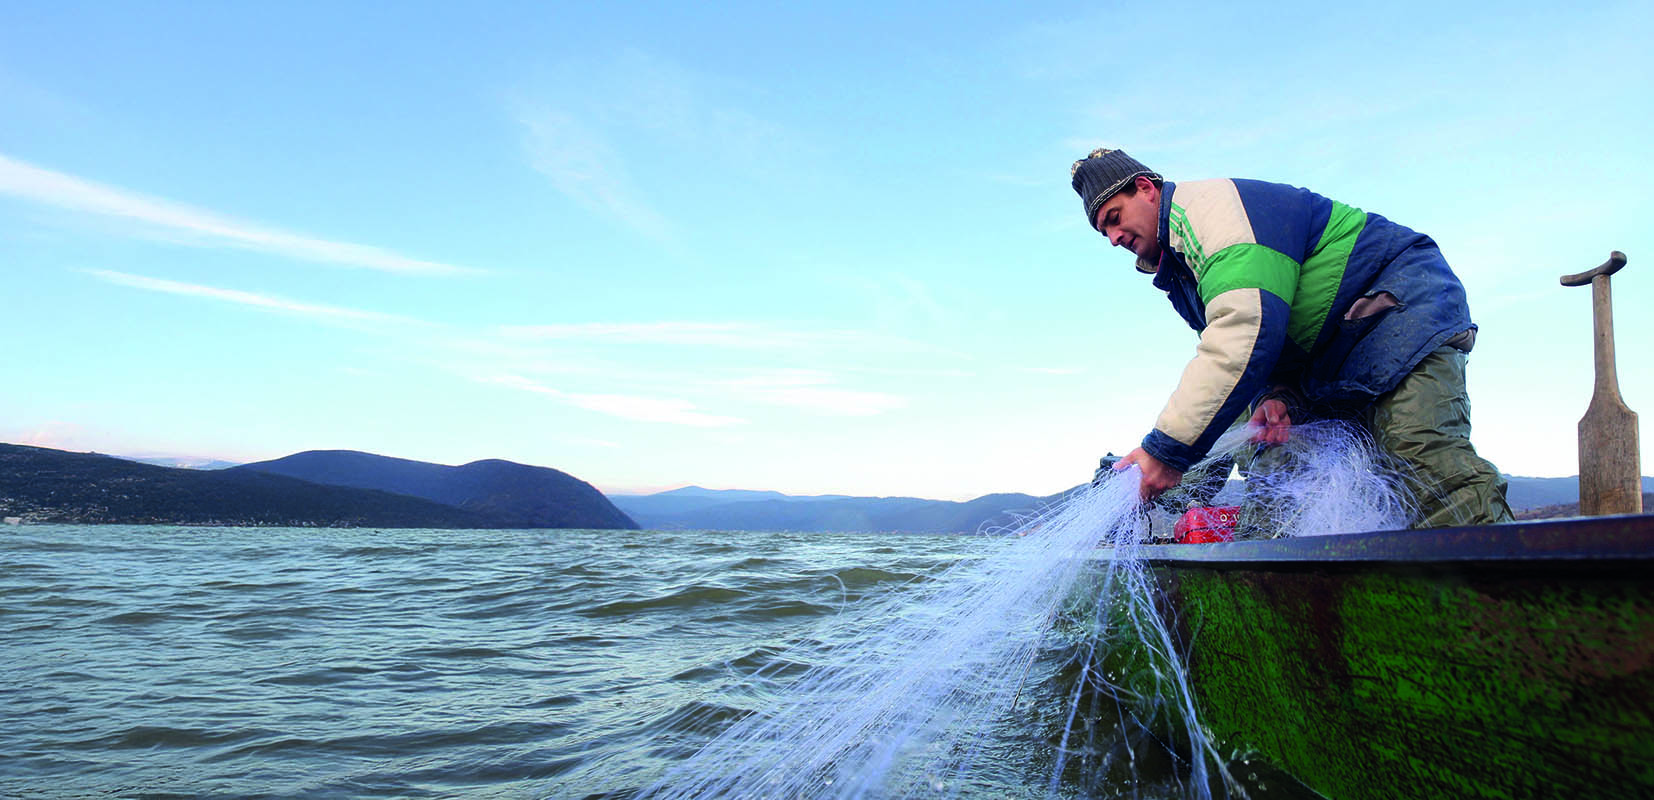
808,390
733,335
812,390
581,164
238,297
616,133
804,389
698,334
668,410
44,186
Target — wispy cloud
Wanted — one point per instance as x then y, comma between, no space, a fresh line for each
616,133
666,332
814,390
668,410
733,335
261,301
581,164
805,389
47,187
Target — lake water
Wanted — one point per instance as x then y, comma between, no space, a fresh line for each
158,661
154,661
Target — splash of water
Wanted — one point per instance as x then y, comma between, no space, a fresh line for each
905,705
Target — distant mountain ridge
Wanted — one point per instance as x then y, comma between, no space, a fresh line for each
184,462
676,502
1525,493
514,495
740,509
693,507
318,488
38,484
343,487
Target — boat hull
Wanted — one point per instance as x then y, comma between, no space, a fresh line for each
1508,661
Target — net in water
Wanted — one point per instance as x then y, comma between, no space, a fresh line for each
1049,656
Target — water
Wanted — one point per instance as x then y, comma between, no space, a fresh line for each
919,696
165,661
150,661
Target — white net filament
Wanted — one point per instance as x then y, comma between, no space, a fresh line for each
1329,478
1050,657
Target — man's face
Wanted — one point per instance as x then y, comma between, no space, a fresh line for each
1133,222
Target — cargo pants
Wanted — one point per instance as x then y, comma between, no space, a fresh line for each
1422,428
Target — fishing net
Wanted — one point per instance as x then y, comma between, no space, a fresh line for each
1043,669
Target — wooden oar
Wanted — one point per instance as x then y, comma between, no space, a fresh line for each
1610,475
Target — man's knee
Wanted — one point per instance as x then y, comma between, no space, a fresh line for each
1424,425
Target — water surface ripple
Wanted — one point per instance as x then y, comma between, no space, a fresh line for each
153,661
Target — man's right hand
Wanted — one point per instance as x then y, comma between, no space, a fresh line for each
1157,477
1271,423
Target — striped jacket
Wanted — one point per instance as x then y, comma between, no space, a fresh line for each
1267,274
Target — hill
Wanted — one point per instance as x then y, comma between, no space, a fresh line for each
736,509
663,508
1571,509
514,495
179,461
1529,493
42,485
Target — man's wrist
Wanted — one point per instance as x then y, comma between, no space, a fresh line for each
1169,451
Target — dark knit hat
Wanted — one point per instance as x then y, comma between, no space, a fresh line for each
1101,175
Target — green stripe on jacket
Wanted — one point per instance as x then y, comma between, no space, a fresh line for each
1323,273
1248,266
1309,289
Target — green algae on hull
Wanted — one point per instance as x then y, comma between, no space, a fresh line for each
1497,662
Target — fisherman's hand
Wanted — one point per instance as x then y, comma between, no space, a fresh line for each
1157,477
1271,424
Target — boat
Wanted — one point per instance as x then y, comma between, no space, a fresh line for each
1505,661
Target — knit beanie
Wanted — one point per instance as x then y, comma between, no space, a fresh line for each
1102,174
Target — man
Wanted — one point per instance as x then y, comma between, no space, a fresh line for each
1305,307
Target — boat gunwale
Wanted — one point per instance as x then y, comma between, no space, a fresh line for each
1596,542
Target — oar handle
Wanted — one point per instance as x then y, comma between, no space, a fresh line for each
1615,261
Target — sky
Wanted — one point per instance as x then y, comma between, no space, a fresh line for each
815,248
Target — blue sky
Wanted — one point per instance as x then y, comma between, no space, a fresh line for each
811,248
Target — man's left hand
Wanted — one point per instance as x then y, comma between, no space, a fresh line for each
1157,477
1271,424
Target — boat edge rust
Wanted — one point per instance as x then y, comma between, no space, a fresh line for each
1484,662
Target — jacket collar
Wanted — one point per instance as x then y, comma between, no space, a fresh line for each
1160,269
